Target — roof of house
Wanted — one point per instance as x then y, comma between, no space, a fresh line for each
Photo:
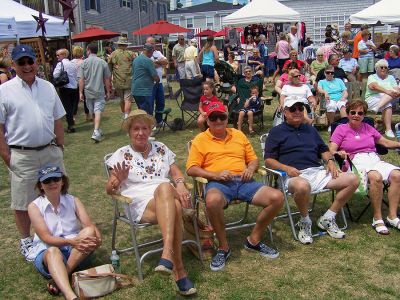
214,5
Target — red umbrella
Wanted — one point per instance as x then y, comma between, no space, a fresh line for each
206,32
160,27
225,31
94,34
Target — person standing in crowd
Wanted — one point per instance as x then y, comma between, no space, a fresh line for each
293,39
366,49
67,92
144,75
77,54
357,39
178,55
120,64
208,57
160,61
262,47
282,49
33,143
192,67
94,74
226,49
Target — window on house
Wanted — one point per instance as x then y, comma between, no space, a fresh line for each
320,23
143,5
175,21
126,3
189,23
93,4
210,22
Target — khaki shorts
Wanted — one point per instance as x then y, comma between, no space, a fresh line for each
124,94
24,167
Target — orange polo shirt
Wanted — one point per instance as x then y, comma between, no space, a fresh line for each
215,155
357,38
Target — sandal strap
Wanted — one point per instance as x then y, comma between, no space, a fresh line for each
395,222
375,223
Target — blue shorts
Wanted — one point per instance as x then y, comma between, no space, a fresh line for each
66,252
236,189
207,71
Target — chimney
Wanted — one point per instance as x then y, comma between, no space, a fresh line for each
188,3
172,5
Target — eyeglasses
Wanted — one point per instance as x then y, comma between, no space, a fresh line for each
51,179
295,108
22,62
329,73
384,68
296,76
353,113
221,117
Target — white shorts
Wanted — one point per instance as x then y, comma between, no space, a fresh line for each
372,162
333,106
316,177
373,102
192,69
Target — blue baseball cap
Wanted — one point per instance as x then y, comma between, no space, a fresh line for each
49,172
21,51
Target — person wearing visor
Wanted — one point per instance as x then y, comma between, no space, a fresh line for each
225,157
31,133
65,236
296,148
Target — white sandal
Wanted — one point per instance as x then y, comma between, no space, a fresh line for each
380,227
395,223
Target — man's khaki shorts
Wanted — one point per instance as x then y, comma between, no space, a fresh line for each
124,94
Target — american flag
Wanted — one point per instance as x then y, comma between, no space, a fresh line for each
192,34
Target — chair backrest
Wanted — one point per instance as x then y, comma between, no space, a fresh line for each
192,90
263,139
106,168
370,121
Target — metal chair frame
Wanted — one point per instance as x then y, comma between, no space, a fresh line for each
135,227
276,177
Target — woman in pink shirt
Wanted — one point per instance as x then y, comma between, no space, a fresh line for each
282,50
284,78
357,140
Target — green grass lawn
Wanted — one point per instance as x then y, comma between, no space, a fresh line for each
362,266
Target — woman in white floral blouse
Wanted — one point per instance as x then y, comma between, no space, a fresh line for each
141,171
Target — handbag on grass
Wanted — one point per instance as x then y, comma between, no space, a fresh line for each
62,79
99,281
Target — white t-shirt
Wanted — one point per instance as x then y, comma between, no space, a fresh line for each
145,175
156,56
302,91
294,42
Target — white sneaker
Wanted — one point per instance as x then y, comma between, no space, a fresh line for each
390,134
96,136
25,247
329,224
305,234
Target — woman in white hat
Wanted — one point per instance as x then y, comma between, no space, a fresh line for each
140,171
192,68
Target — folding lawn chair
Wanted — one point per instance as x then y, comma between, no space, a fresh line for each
188,98
275,178
122,213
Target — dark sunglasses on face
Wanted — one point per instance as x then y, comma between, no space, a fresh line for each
294,108
329,73
383,68
51,179
22,62
353,113
214,118
296,76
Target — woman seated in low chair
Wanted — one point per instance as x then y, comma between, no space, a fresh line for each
140,171
251,106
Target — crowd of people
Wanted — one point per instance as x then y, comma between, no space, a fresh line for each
146,170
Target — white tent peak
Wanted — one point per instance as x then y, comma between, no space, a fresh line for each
262,11
384,11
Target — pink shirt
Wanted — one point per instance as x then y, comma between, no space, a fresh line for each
283,49
285,78
356,141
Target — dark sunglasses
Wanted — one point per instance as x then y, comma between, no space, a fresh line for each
383,68
294,108
329,73
51,179
23,62
214,118
353,113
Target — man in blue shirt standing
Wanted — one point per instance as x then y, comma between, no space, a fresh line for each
296,148
144,75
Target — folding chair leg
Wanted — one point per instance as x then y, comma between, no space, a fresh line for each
196,232
114,225
135,245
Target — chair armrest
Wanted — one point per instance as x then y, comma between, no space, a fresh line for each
189,186
200,180
261,172
121,198
275,172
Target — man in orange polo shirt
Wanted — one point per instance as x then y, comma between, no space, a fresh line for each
225,157
357,39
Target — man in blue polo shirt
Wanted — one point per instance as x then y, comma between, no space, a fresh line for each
296,148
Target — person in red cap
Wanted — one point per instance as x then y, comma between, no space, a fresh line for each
225,157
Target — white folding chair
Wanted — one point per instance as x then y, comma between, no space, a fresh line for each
276,178
122,213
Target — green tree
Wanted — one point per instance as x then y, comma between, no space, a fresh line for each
179,4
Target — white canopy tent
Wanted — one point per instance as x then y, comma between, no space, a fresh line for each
26,24
261,11
8,28
383,12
